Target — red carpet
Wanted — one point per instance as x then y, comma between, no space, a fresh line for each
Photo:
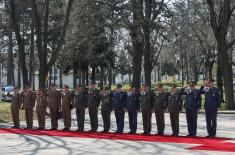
210,144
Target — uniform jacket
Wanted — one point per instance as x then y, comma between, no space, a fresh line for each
192,99
94,98
212,97
174,102
160,101
28,100
106,104
119,100
41,103
54,100
146,100
67,100
16,101
80,99
133,102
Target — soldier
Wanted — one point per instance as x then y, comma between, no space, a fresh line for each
93,106
41,108
133,106
28,106
212,104
119,105
106,108
16,102
192,105
160,106
54,104
146,103
173,109
80,105
67,105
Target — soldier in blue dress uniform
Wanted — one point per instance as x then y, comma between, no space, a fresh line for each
119,105
212,104
192,105
133,106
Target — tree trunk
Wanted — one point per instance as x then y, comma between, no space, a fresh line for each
93,74
20,42
110,76
10,63
61,78
227,71
31,61
147,60
102,78
87,75
219,78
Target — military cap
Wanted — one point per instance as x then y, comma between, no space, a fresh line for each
211,80
146,85
174,86
192,83
53,85
159,85
93,82
66,86
119,86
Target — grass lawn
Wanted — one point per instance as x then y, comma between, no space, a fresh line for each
5,113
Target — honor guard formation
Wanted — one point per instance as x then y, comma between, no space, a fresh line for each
132,102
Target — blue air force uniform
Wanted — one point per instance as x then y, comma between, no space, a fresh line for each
132,106
191,105
119,104
212,103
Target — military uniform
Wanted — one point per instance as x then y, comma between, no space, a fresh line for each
41,110
106,108
93,106
212,103
132,106
28,105
80,105
191,105
54,104
119,104
160,105
67,104
173,109
146,104
16,102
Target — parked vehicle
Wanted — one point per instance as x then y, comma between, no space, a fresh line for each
6,91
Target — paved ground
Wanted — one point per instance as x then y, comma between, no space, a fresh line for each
31,144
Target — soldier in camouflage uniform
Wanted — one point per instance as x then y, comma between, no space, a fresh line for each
146,104
160,105
93,106
106,107
80,99
173,108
